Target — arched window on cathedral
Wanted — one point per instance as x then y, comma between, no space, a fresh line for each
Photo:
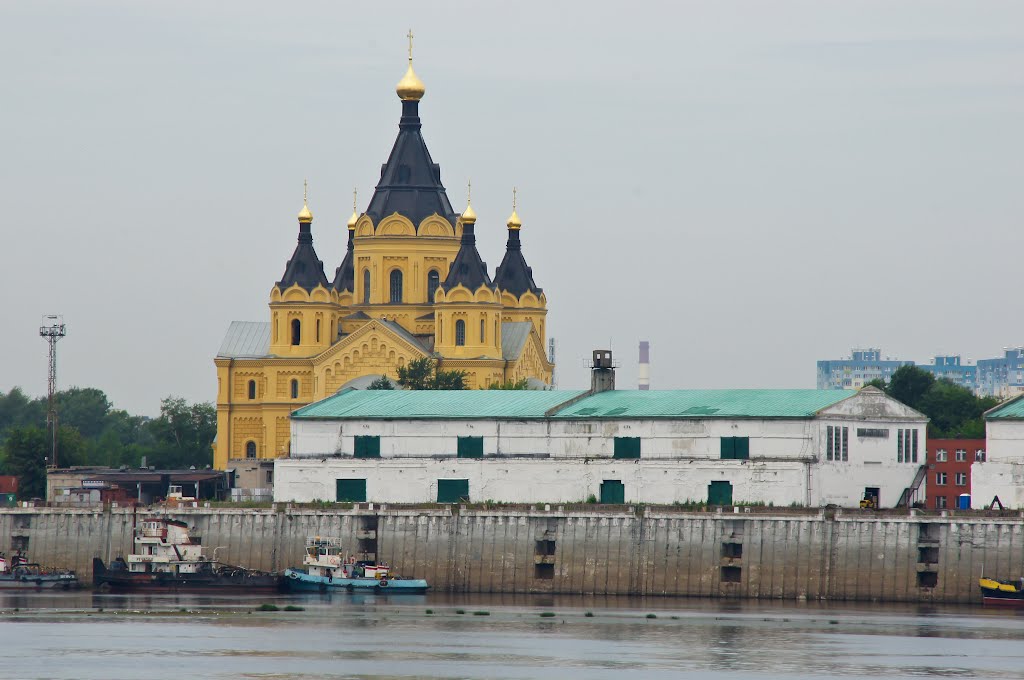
366,286
318,330
252,389
481,330
296,331
460,333
295,389
433,281
250,449
396,286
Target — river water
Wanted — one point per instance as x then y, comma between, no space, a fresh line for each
86,635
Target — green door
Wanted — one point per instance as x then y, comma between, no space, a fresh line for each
452,490
720,493
613,492
351,491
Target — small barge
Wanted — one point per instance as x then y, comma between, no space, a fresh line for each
20,574
1002,593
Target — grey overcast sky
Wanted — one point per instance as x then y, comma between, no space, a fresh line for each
749,185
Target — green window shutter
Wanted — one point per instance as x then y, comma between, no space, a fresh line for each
627,447
613,492
367,447
471,447
742,447
720,493
452,490
728,448
351,491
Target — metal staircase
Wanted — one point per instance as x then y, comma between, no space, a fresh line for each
906,498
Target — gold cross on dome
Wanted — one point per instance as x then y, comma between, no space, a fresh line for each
305,189
469,191
409,36
354,199
514,199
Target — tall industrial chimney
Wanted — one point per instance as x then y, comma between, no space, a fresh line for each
644,372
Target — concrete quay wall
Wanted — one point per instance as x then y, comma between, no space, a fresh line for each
810,555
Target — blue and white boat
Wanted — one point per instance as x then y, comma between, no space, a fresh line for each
326,567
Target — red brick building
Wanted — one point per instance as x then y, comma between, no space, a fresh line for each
949,470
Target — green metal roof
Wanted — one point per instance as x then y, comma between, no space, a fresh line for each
1011,409
516,404
429,404
705,404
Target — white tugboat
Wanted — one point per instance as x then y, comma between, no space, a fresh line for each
328,567
168,558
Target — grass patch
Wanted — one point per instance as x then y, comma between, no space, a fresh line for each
294,608
547,615
267,608
430,611
481,613
588,614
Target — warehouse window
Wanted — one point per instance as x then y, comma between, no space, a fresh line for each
906,446
837,443
735,448
367,447
470,447
350,491
452,490
627,447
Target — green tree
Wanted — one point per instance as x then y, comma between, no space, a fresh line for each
909,385
83,408
182,434
521,384
381,383
423,374
27,451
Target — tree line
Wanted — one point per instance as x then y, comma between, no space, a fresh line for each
954,412
92,432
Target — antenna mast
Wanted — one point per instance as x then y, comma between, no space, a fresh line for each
52,328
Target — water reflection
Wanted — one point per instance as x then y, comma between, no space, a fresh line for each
348,635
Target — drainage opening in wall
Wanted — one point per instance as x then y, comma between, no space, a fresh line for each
927,579
544,571
928,555
544,547
732,550
731,574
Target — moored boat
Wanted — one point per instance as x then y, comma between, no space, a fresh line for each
20,574
326,566
168,558
1002,593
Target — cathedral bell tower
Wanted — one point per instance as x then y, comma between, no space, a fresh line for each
303,309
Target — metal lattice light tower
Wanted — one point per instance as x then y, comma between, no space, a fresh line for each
52,328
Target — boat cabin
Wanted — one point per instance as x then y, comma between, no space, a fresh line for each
326,557
165,545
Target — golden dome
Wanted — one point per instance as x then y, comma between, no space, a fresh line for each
410,88
352,220
304,215
469,215
513,220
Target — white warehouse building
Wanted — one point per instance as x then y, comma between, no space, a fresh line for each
1001,475
781,447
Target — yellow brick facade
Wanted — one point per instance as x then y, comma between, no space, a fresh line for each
395,305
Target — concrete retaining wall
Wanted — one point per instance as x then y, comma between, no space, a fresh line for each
813,555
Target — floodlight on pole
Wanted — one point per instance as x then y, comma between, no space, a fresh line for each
53,329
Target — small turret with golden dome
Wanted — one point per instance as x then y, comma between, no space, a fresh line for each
344,275
513,274
468,269
410,88
469,215
304,268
